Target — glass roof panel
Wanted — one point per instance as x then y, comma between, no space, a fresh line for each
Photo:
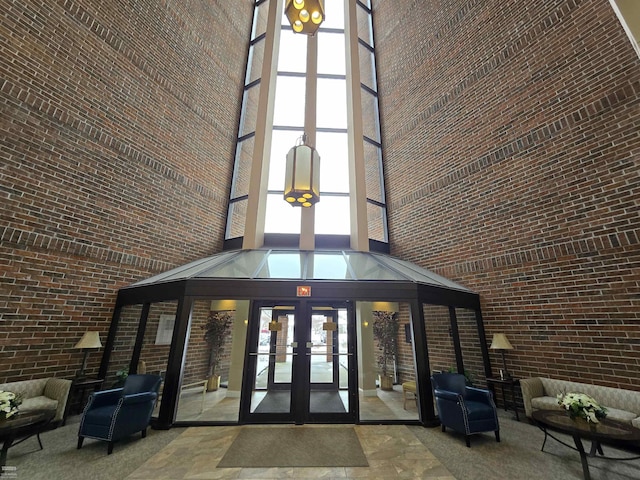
189,270
282,265
242,265
419,274
329,266
366,267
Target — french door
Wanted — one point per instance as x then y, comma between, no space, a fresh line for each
301,364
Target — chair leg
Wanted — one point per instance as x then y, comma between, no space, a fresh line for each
468,440
144,433
444,429
110,448
80,440
497,435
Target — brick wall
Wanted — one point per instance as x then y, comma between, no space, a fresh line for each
117,130
511,156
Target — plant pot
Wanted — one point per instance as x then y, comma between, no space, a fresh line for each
386,382
213,383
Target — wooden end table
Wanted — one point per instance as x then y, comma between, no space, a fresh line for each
79,394
21,426
511,384
607,432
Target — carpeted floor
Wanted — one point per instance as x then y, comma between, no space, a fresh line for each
294,447
517,456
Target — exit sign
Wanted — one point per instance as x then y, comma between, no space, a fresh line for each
303,291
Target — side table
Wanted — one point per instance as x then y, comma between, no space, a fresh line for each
511,384
79,393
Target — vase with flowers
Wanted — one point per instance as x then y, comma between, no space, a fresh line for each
9,403
581,405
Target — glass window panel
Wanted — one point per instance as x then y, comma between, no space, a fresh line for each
365,267
437,327
471,352
289,101
370,115
364,25
367,72
331,53
256,57
293,52
329,266
122,346
373,174
243,168
332,100
334,162
237,218
334,14
281,217
376,222
260,20
195,401
332,216
240,266
249,110
388,401
281,142
282,265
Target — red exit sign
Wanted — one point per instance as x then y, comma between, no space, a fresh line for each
303,291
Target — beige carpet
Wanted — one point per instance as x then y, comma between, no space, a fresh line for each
298,446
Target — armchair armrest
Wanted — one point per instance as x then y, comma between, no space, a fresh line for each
478,394
139,398
531,388
446,395
105,397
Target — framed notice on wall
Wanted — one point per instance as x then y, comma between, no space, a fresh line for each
165,329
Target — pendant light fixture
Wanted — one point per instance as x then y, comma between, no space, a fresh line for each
302,175
305,16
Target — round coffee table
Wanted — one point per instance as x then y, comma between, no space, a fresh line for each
21,426
607,432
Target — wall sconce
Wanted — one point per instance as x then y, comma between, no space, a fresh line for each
88,341
305,16
302,177
500,342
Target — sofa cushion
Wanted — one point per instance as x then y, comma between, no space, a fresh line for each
609,397
545,403
38,403
26,388
620,415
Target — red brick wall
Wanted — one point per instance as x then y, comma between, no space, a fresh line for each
511,156
117,127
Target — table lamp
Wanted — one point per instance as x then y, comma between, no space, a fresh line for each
502,343
88,341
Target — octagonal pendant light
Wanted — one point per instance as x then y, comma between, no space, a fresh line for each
302,175
305,16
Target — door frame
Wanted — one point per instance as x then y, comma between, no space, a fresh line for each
300,375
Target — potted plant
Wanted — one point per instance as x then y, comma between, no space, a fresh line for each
385,331
216,329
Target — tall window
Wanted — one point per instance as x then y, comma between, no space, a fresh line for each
284,119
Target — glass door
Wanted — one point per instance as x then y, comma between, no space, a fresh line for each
300,367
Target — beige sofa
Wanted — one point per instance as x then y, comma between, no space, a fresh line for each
43,393
540,393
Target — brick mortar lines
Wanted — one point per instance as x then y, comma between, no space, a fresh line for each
522,143
25,239
544,253
56,114
83,17
494,62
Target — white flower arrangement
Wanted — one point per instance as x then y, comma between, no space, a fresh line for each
580,405
9,402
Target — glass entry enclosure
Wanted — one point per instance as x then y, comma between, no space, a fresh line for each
301,364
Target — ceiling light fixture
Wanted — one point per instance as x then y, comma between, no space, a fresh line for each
305,16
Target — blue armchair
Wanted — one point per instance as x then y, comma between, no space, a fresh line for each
114,414
466,410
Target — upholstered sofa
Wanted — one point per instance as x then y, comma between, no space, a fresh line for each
540,393
43,393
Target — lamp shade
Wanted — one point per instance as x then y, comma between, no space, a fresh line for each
501,342
302,175
89,340
305,16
